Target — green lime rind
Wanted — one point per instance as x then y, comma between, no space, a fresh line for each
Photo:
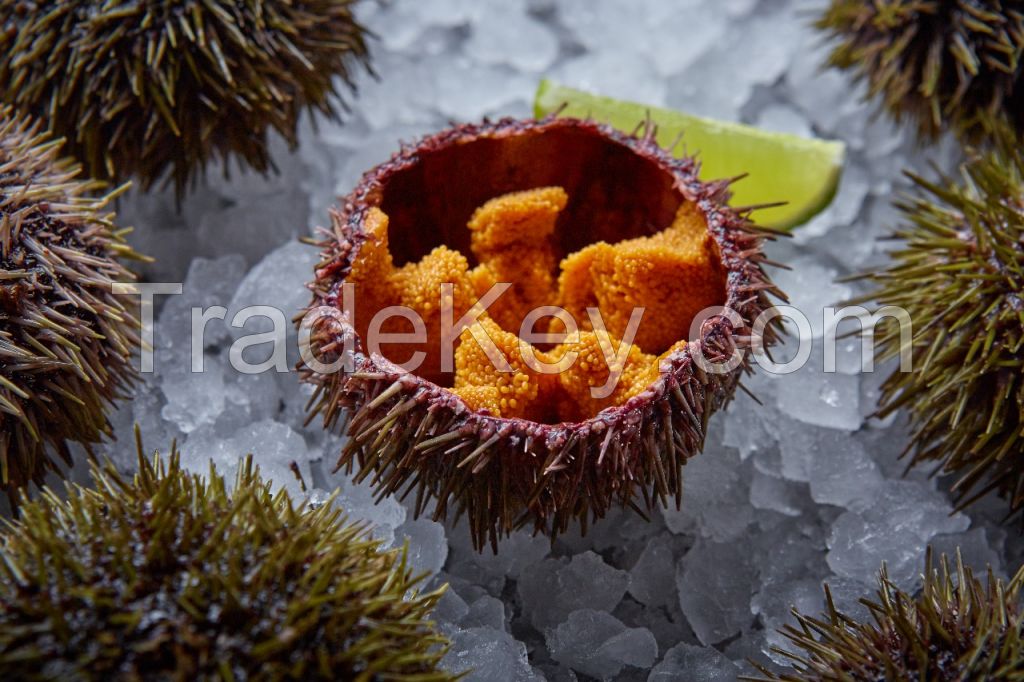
804,173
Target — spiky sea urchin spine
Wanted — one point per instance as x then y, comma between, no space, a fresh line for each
409,434
172,576
939,64
140,88
956,629
66,340
960,276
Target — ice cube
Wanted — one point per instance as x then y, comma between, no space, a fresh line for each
627,76
774,606
894,527
978,552
652,578
552,589
688,663
486,611
823,399
715,582
716,497
427,545
490,655
598,644
841,471
777,494
509,36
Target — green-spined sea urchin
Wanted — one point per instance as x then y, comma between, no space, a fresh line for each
955,629
537,465
939,64
172,576
66,340
140,88
960,276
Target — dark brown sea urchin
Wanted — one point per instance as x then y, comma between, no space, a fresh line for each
411,433
141,88
170,576
66,340
941,64
956,629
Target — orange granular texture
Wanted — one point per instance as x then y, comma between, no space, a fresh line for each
598,355
642,379
419,287
372,270
672,275
576,287
511,238
484,382
482,398
379,284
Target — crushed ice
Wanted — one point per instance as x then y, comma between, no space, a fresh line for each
804,488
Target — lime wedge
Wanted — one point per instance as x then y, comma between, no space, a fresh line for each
802,172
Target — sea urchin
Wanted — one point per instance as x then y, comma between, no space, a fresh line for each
66,340
955,629
170,576
941,64
493,434
141,88
960,277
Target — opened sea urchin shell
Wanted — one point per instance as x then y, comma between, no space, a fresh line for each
413,432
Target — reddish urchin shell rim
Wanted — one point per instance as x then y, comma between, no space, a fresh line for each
411,434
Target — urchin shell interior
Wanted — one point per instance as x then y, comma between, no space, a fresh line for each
613,195
503,473
616,300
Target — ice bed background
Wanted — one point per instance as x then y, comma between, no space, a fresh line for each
804,489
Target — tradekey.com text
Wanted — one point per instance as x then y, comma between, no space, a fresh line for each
341,322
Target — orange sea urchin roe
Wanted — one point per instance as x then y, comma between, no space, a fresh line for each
419,287
483,382
597,357
598,354
372,270
672,276
419,284
416,286
511,237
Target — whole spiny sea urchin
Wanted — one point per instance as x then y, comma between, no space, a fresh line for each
570,213
172,576
955,629
940,64
66,339
146,87
960,277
